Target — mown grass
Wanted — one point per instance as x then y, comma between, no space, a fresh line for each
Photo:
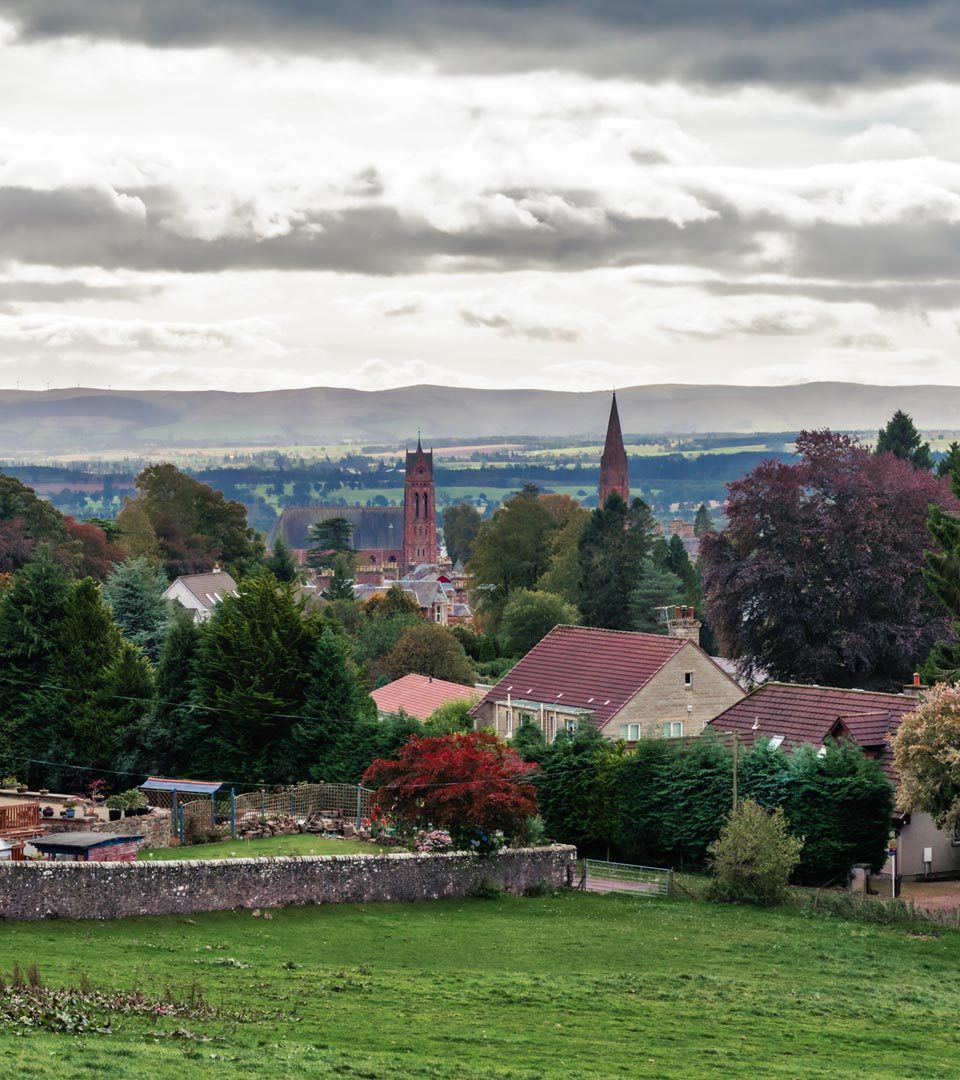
565,986
298,844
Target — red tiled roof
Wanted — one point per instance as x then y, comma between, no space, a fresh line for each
594,670
419,695
811,714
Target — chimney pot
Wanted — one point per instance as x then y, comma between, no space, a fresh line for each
916,679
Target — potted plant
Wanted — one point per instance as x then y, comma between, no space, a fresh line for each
98,792
11,782
44,791
135,802
47,811
69,808
116,805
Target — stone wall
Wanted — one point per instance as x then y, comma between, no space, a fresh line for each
81,890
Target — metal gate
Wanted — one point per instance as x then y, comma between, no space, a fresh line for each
602,876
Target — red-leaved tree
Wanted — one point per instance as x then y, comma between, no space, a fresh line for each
470,783
816,577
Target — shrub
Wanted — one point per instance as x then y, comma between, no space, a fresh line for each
487,889
753,857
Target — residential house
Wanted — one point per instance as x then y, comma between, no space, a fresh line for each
428,594
627,685
419,695
200,593
789,715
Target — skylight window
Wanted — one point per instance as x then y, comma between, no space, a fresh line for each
776,741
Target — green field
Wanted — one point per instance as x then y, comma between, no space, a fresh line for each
569,986
299,844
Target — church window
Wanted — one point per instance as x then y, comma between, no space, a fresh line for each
416,504
425,506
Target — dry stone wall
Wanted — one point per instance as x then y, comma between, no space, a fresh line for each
91,890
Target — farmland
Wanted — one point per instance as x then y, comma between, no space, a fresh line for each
569,985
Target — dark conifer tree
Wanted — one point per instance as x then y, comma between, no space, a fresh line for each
30,618
703,522
612,550
280,562
901,438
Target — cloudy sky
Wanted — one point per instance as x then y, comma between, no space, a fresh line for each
253,194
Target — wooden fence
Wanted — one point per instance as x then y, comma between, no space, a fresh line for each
19,819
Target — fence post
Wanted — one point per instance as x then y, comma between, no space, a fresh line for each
358,808
263,804
174,814
293,802
181,824
670,882
233,813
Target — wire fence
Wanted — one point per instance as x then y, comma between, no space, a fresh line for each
299,801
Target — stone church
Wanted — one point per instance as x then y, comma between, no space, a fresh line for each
385,537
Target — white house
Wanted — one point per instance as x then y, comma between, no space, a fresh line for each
200,593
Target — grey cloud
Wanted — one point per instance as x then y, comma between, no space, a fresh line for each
775,41
16,293
890,295
509,327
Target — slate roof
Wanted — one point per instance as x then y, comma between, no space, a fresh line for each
209,589
425,594
811,714
419,695
80,841
598,671
371,525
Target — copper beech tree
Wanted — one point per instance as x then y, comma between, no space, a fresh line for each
817,575
471,784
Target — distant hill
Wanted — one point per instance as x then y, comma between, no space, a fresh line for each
93,421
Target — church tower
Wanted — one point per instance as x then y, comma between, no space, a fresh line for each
613,462
419,509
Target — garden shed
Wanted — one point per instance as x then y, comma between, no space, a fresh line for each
88,847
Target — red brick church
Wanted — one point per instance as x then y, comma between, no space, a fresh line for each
613,462
385,537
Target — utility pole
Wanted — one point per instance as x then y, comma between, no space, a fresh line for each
736,764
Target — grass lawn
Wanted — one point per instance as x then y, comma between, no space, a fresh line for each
569,986
299,844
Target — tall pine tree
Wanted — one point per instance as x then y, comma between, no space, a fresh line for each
901,438
134,593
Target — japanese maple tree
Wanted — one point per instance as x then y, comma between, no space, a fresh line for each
469,783
817,575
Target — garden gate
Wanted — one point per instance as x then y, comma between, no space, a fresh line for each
602,876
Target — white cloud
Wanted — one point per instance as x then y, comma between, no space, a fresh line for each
884,141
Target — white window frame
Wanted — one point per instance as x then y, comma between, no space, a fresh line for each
673,729
625,732
688,680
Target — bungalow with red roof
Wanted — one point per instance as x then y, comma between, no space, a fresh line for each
788,715
419,695
627,685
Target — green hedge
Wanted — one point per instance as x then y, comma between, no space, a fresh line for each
665,801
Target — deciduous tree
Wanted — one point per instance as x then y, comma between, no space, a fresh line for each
461,524
470,784
816,577
429,649
529,616
926,751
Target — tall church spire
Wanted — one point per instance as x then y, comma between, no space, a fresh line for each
613,461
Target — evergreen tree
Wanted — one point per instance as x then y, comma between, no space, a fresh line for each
703,522
941,571
658,588
134,593
280,561
252,671
333,704
528,741
68,723
124,697
167,739
30,617
612,550
949,464
902,439
330,537
341,584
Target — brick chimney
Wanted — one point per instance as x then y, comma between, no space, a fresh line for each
683,623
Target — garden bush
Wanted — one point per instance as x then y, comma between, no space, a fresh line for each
753,857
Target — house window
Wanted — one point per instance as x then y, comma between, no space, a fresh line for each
509,723
571,726
553,726
673,729
688,680
630,732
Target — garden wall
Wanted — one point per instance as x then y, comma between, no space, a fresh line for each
90,890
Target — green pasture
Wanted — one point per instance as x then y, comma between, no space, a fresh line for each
298,844
571,985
